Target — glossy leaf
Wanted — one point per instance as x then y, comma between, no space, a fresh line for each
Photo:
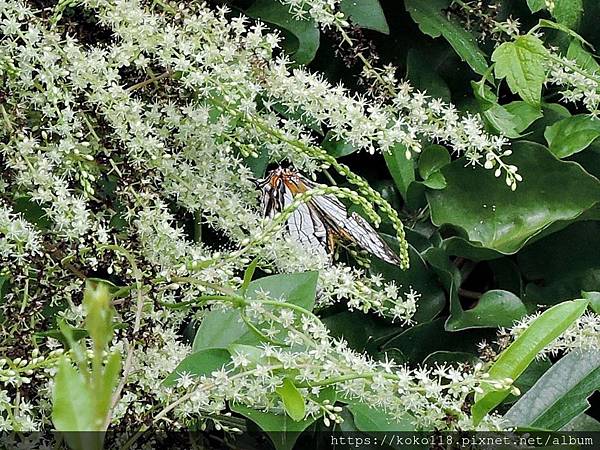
594,298
495,308
560,394
306,31
513,361
522,63
584,59
434,22
365,14
496,218
202,362
572,135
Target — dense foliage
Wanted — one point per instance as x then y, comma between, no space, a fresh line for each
140,284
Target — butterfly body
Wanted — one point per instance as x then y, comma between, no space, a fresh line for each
320,221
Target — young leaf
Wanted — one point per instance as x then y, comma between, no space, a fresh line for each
433,21
514,360
73,409
523,64
572,135
560,394
293,402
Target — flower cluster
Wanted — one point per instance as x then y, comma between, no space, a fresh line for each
303,352
576,84
321,11
583,334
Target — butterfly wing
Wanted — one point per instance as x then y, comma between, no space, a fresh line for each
353,228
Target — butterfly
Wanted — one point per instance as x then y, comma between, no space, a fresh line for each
320,221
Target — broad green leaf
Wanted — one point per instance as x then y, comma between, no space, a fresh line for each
432,20
336,147
306,31
512,119
219,328
513,361
582,57
432,159
365,14
529,377
293,402
495,308
370,419
594,298
401,168
572,135
202,362
523,64
560,394
494,217
297,288
73,409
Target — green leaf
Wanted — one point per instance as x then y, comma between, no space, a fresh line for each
432,159
572,135
494,217
495,308
297,288
560,394
282,430
293,402
365,14
536,5
401,168
336,147
568,12
202,362
219,328
370,419
306,32
582,57
523,64
513,361
512,119
594,298
433,21
73,409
